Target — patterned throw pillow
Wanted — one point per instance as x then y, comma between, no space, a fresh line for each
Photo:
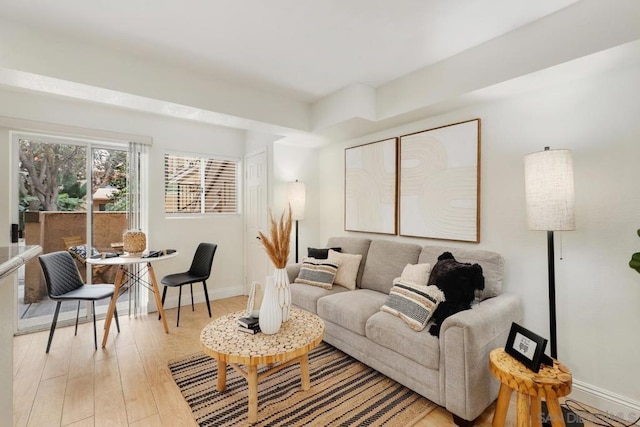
412,303
317,272
80,252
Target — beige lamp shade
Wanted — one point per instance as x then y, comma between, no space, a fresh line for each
297,199
549,190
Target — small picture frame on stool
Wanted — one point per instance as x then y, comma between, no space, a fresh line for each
527,347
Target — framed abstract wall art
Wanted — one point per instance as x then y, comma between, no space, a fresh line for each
440,183
370,187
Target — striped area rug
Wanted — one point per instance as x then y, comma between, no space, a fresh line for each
344,392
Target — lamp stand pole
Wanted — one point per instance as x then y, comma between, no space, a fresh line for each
571,419
296,241
552,295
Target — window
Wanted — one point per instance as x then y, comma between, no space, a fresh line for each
198,185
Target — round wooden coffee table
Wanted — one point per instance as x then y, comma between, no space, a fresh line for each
222,340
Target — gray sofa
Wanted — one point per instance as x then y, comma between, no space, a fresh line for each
452,370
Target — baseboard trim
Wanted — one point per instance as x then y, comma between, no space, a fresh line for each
606,401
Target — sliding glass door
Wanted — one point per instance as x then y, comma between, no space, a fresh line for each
73,196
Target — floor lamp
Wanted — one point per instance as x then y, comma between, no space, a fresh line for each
297,199
549,195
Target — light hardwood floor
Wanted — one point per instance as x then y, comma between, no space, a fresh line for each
128,383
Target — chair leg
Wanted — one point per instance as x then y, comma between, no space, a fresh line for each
77,316
53,325
179,299
206,296
164,295
193,308
95,332
115,317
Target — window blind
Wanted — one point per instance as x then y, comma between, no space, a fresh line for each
197,185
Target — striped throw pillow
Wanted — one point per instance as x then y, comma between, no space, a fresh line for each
317,272
412,303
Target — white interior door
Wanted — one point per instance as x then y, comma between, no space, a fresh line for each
256,214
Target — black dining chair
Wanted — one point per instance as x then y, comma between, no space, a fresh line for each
65,284
199,271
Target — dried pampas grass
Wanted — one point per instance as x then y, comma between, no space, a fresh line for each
277,246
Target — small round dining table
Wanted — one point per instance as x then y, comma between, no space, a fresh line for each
134,275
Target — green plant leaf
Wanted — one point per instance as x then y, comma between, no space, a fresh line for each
635,262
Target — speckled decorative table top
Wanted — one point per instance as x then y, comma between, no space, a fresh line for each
222,340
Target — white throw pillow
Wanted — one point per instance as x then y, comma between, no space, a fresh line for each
348,269
416,273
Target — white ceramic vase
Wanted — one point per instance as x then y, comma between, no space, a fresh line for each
270,317
281,279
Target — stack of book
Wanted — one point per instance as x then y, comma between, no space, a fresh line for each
250,325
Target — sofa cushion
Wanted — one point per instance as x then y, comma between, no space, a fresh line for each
392,333
385,261
352,245
492,265
414,304
307,296
351,309
349,264
316,272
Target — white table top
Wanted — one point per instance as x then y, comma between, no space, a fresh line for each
124,259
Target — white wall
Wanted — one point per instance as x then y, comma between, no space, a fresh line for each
167,134
7,290
5,166
598,294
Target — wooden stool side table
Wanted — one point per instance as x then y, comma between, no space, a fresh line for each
549,383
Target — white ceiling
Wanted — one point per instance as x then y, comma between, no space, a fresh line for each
302,49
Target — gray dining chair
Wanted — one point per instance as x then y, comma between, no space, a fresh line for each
65,284
199,271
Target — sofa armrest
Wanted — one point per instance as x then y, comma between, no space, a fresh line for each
292,271
466,339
